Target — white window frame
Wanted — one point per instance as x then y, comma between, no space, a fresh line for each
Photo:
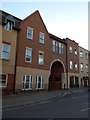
86,55
42,52
53,43
30,82
6,80
86,68
41,83
29,56
42,40
70,49
5,51
76,66
8,26
81,54
71,65
57,47
75,52
30,34
81,67
60,48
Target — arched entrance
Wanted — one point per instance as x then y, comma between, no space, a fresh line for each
55,79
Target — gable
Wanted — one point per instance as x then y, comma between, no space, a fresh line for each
35,20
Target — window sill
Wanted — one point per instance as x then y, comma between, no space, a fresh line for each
40,64
5,59
2,87
29,38
27,89
41,43
28,62
39,88
71,69
8,30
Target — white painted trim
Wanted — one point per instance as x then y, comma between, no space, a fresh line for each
60,62
8,51
27,32
8,26
30,57
41,87
25,82
38,57
39,37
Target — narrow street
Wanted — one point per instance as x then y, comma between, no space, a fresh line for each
71,106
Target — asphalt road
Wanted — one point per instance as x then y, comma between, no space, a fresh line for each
71,106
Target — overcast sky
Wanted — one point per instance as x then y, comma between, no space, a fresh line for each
63,19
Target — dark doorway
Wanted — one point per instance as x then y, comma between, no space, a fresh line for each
55,79
74,82
71,81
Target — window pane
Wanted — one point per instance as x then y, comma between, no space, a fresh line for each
62,49
27,78
4,83
26,86
81,54
41,39
5,51
70,49
28,54
71,66
5,47
75,52
5,55
3,80
41,58
27,59
53,44
59,48
3,77
8,26
29,33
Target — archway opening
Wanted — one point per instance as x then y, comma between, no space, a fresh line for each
55,79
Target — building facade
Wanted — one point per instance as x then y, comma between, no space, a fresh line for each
9,27
58,77
84,66
31,58
72,63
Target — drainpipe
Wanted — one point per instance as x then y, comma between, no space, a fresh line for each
15,63
67,64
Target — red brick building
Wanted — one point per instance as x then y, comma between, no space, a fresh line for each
72,63
40,55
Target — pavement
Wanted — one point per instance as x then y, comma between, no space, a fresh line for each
32,97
